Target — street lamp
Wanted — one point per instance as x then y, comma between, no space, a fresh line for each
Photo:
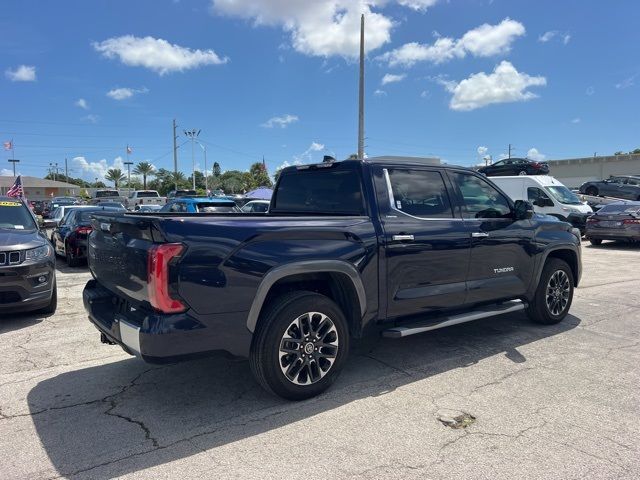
193,134
206,177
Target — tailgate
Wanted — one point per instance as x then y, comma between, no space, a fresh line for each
117,253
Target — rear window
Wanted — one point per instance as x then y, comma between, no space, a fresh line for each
107,193
613,209
333,190
209,208
147,194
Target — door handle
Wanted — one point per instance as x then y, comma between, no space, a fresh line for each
479,234
402,238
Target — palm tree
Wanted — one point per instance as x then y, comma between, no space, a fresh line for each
115,175
145,169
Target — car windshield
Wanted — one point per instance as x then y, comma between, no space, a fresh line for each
564,195
107,193
15,216
218,207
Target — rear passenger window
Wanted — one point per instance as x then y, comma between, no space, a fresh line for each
480,200
420,193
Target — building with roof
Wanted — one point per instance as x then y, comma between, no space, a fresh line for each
573,172
39,188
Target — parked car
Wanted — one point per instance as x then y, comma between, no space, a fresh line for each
181,193
625,187
144,197
615,221
256,206
116,205
58,214
106,195
201,205
347,249
70,237
38,207
548,196
148,208
515,166
27,262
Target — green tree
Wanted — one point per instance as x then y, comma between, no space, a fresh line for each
637,150
115,175
145,169
232,181
259,176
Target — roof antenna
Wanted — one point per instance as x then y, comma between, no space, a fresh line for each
361,94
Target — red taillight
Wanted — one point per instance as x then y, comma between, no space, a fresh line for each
592,220
158,260
536,165
631,221
84,230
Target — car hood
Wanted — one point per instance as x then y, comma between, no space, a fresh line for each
20,239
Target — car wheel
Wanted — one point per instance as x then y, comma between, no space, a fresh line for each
554,294
53,304
523,172
595,241
72,260
593,191
300,345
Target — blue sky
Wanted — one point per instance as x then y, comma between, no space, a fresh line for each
278,78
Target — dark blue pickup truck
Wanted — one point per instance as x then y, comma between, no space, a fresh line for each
346,249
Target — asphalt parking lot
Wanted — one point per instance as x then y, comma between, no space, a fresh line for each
557,402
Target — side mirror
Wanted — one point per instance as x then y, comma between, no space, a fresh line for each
523,210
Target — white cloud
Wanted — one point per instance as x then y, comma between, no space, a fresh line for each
156,54
482,151
627,82
380,93
91,118
392,78
319,27
504,85
547,36
590,91
576,120
424,94
97,169
566,38
535,155
22,73
5,172
82,103
418,5
307,155
283,122
483,41
124,93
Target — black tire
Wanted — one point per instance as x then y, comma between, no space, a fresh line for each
593,191
523,172
53,304
72,261
595,241
539,309
267,361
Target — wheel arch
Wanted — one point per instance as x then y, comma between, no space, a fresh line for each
336,279
567,254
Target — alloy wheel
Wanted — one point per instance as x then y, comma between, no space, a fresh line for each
558,291
308,348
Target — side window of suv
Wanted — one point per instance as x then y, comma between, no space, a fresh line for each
420,193
480,200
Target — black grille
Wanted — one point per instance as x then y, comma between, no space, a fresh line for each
10,258
9,297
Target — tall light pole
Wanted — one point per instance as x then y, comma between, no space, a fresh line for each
361,94
14,161
206,178
128,164
193,134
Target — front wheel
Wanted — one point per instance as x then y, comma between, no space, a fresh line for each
595,241
523,172
554,294
300,345
592,191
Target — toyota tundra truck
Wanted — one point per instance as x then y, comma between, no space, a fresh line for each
347,249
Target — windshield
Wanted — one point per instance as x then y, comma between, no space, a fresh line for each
107,193
217,208
564,195
15,216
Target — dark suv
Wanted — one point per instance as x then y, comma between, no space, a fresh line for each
27,261
515,166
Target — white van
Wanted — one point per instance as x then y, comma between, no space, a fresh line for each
548,195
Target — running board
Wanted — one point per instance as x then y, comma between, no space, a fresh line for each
482,312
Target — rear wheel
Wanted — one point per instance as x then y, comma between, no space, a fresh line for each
300,345
593,191
523,172
72,260
554,294
595,241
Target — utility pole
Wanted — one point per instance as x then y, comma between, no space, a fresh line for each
361,94
66,169
14,161
206,179
175,156
193,134
53,168
128,164
509,150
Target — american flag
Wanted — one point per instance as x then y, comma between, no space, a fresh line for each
8,145
16,190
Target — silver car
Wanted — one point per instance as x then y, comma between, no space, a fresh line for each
615,221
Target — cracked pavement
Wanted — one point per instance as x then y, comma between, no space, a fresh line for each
558,402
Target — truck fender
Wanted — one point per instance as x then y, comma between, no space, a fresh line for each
543,261
309,266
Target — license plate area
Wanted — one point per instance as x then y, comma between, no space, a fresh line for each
610,224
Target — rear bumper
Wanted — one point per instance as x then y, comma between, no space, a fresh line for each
21,290
613,234
163,338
